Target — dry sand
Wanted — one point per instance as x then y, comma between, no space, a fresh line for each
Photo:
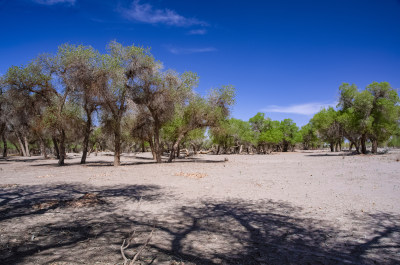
309,207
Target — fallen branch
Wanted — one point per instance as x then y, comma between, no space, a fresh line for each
123,246
142,248
127,242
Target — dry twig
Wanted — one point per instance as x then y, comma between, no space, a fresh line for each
126,243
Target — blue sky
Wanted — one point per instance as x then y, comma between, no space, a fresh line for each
286,58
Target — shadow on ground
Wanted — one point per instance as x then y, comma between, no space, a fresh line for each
207,232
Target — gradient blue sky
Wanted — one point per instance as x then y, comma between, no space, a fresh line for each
286,58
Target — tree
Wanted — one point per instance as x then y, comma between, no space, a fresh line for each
328,127
87,77
28,94
384,113
290,134
151,89
3,116
242,134
308,137
369,114
354,114
272,135
114,95
259,125
196,112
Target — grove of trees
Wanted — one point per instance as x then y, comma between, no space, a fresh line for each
363,117
80,100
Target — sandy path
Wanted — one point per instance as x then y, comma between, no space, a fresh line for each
252,209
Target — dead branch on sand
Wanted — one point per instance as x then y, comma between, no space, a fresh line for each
126,243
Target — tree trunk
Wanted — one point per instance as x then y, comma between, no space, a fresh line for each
26,146
175,147
357,146
43,148
157,148
3,138
363,145
117,145
21,145
332,146
374,146
56,147
218,149
351,146
285,146
178,151
62,149
194,149
153,152
143,150
86,139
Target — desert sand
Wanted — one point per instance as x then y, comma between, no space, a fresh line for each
304,207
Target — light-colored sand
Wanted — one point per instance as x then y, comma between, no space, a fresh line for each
284,208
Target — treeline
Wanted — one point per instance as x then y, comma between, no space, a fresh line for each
363,117
82,100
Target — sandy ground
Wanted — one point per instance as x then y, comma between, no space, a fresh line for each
309,207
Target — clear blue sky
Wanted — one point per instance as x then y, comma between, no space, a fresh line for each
286,58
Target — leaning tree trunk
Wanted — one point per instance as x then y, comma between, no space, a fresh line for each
117,145
351,146
21,145
26,146
374,149
56,149
157,148
175,147
3,138
62,149
86,139
153,153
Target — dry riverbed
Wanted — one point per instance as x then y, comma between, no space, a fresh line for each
304,207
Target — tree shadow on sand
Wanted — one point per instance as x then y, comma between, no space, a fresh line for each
206,232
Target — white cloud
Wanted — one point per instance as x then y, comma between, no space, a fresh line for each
190,50
197,32
302,109
147,14
53,2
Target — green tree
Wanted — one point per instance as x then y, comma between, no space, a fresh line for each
384,113
328,127
308,137
290,134
87,76
197,112
272,135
